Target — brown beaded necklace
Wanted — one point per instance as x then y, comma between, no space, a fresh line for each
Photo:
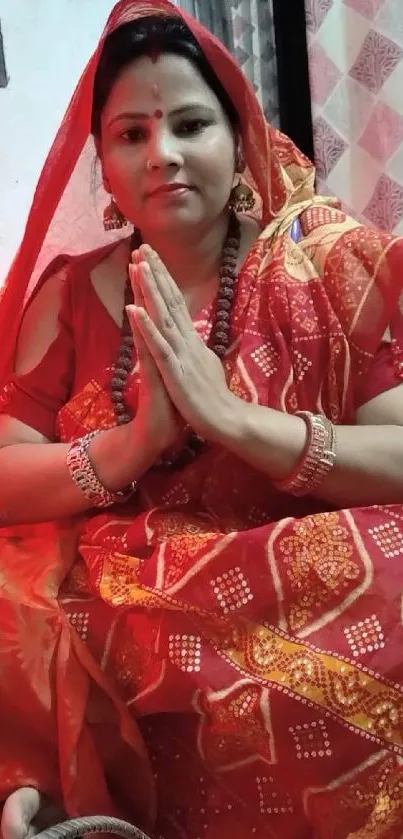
218,342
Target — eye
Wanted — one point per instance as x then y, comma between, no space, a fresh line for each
133,135
192,126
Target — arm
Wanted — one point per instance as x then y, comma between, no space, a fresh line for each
35,483
369,465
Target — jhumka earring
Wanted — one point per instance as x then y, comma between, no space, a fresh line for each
242,199
113,218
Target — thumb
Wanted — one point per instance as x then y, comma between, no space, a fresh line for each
19,811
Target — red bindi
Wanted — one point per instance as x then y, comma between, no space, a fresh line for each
158,114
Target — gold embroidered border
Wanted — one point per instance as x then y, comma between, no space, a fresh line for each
355,695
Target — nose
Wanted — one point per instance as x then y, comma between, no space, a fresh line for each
163,150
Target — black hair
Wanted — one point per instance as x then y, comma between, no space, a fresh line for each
154,33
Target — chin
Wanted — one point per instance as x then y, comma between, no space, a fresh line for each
175,220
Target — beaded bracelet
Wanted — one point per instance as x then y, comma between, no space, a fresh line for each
84,476
318,458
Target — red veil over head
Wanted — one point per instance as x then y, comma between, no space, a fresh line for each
65,215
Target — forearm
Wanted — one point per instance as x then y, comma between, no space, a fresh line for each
36,485
369,464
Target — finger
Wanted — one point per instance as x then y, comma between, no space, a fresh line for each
19,813
143,354
157,309
160,349
154,302
171,294
136,287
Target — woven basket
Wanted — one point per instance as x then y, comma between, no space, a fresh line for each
93,824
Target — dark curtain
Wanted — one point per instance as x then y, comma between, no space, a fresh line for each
268,38
293,73
215,15
246,28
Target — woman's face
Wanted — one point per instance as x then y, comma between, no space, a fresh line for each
167,149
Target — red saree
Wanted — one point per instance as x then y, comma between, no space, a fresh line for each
217,659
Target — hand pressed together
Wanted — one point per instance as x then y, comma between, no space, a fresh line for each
192,375
156,417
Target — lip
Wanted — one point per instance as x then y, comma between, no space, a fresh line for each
169,189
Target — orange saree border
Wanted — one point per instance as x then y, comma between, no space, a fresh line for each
351,693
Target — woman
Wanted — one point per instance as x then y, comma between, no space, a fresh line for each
210,413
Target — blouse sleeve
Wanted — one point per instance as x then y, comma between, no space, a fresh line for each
36,397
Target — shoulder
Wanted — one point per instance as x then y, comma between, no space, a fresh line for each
84,264
67,266
338,268
64,287
322,238
328,231
71,274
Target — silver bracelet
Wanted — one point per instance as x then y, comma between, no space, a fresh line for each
84,476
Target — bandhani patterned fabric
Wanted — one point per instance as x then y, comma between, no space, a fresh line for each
216,659
356,68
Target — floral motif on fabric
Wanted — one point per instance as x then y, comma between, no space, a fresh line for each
318,560
183,551
89,410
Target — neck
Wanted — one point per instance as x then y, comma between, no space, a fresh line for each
197,260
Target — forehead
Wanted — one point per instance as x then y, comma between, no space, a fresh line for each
173,78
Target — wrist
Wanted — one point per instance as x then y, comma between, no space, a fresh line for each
270,440
143,445
122,455
231,422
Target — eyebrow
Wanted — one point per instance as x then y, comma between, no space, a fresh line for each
175,113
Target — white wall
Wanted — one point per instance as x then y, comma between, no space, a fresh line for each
47,44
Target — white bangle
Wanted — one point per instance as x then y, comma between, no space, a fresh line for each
84,476
318,458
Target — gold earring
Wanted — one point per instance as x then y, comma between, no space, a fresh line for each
113,218
242,199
